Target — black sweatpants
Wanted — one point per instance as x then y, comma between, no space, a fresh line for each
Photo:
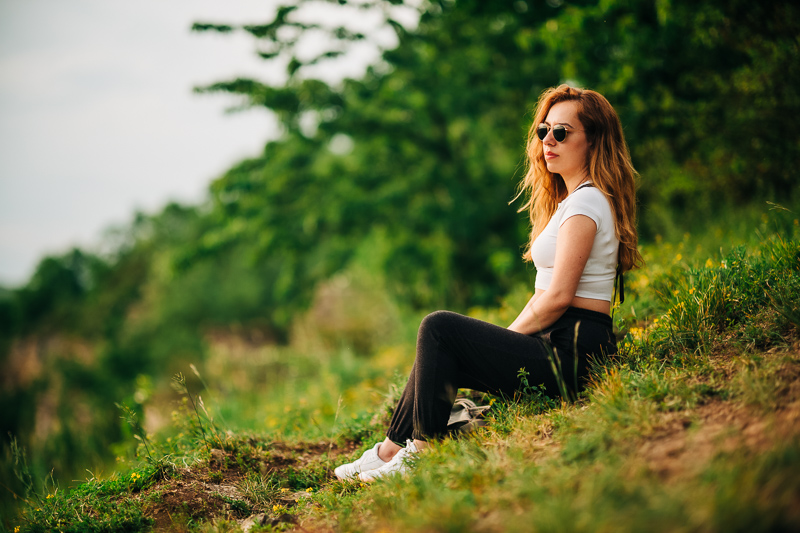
455,351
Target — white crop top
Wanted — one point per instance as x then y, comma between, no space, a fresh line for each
597,280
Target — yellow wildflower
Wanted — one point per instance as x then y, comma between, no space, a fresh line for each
309,489
277,508
678,257
49,496
709,263
691,291
284,491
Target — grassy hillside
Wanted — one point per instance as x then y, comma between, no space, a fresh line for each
695,427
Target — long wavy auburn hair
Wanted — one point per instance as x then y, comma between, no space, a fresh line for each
608,162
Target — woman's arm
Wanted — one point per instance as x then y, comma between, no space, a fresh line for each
575,240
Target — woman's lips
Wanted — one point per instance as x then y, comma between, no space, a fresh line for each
549,155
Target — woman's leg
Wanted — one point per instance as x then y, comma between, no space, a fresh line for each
455,351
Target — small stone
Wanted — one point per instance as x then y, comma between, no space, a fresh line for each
217,457
251,521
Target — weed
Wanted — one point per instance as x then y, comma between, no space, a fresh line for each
22,470
534,395
162,465
179,384
139,433
568,393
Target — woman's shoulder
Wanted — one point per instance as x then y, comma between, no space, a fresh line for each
586,192
589,195
588,200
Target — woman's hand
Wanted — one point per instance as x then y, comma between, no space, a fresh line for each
574,244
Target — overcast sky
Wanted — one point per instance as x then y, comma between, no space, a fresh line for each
98,118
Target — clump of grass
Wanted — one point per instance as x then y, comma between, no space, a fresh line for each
749,300
505,414
92,506
765,383
262,490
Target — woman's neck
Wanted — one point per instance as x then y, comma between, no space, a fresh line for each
574,182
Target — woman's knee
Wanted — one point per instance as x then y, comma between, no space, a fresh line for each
438,322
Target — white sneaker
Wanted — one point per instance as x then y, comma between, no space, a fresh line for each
369,460
399,464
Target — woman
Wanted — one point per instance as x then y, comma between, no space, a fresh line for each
581,187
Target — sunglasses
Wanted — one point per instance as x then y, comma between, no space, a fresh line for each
559,132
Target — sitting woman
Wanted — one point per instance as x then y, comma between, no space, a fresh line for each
581,199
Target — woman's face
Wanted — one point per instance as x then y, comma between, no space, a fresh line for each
567,157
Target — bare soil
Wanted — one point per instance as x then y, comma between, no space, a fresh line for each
687,440
211,489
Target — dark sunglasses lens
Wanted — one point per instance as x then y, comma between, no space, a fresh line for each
541,131
559,132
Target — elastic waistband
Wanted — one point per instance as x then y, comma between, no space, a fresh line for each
587,314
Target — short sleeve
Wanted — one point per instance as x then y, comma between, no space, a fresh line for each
582,203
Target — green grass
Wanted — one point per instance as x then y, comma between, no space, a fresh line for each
693,428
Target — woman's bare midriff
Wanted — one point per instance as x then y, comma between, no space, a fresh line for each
601,306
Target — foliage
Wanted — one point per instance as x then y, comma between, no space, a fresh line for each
448,116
